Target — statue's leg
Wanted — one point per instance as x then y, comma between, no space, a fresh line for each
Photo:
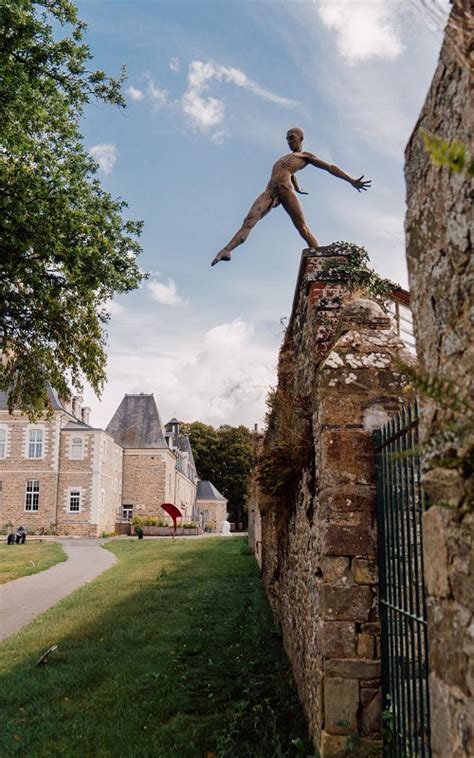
259,209
293,207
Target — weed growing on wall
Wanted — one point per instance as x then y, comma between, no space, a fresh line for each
357,275
288,442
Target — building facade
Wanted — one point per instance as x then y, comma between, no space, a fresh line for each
62,475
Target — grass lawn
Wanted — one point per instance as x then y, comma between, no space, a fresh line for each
23,560
171,652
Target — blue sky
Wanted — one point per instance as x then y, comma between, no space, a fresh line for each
212,89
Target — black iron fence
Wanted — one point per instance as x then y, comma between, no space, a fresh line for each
400,506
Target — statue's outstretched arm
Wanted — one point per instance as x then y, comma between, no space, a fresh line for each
295,184
358,184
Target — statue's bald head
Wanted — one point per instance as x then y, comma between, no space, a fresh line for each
296,131
295,137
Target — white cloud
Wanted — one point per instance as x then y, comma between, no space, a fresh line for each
206,111
174,64
364,28
165,293
157,96
219,376
114,308
105,155
134,93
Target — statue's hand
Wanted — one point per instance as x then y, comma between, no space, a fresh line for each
359,185
301,192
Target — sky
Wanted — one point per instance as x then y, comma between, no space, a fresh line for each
212,88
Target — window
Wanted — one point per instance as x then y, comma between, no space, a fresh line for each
127,511
76,448
35,443
3,443
74,501
104,450
102,501
32,495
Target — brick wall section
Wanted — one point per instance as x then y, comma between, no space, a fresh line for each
441,270
319,552
147,480
16,469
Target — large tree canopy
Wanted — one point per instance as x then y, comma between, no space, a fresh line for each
65,245
224,456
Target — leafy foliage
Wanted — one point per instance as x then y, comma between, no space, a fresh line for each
224,457
452,154
288,442
65,246
357,274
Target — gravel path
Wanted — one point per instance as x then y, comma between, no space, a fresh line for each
23,599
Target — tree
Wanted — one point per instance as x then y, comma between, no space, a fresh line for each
65,245
224,456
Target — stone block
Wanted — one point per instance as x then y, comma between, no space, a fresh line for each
435,551
342,539
348,500
347,455
345,603
440,717
371,627
364,572
365,646
338,746
335,569
336,639
371,714
444,485
355,668
341,703
448,625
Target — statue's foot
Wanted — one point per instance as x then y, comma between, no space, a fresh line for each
224,255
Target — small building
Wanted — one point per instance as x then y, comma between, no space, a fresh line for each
211,506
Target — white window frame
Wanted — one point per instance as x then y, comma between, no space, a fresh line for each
3,442
127,507
77,448
75,492
32,495
33,444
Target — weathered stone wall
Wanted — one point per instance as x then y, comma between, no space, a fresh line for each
319,545
441,270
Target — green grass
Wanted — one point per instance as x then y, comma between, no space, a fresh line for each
27,559
172,652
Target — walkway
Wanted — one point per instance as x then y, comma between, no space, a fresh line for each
23,599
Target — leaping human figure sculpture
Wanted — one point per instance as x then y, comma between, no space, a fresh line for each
281,190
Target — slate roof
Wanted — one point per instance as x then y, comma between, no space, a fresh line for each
77,426
56,404
136,423
207,491
184,446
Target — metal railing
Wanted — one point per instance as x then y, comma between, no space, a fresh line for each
400,506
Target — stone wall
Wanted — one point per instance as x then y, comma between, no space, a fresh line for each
319,540
16,469
441,270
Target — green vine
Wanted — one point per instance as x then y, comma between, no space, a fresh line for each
452,154
355,272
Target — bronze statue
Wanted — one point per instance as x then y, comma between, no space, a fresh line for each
281,190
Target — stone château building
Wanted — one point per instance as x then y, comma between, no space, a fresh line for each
62,474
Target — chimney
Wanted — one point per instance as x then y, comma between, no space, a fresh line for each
77,401
85,414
